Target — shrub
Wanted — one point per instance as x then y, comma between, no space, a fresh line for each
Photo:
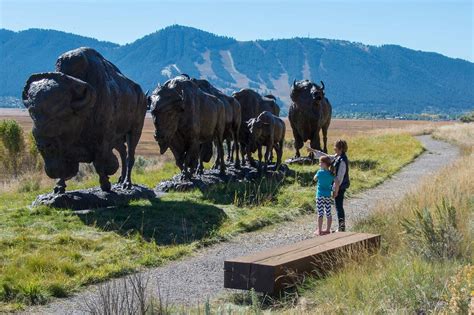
13,143
435,237
467,118
33,158
459,287
29,184
140,165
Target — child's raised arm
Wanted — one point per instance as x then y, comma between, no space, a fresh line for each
318,154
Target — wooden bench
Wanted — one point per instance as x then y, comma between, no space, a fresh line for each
272,270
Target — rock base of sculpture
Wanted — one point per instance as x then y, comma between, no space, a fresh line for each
304,160
212,177
94,198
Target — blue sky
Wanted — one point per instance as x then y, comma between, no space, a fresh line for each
444,26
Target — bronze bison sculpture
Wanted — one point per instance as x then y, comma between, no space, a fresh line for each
309,113
252,105
267,130
186,119
81,113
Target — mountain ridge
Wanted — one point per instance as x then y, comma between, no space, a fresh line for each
358,77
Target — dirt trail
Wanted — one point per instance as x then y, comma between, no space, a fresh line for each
200,277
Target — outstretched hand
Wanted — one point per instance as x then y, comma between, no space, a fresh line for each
310,149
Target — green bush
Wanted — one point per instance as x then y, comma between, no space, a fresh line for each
30,184
467,118
434,236
13,144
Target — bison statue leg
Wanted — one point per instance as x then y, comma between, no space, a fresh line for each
259,150
178,157
106,164
220,154
249,156
279,152
325,137
315,141
298,143
243,151
235,147
230,157
122,150
190,158
268,156
132,142
60,186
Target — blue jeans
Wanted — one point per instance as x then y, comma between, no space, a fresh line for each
341,217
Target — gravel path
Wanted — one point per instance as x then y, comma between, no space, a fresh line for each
200,277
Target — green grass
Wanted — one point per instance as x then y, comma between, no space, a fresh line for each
47,252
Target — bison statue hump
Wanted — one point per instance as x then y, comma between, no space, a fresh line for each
81,113
309,113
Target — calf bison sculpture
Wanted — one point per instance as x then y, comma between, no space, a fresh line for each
186,119
232,118
267,130
309,112
252,105
81,113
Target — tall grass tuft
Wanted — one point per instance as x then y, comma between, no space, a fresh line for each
132,296
257,193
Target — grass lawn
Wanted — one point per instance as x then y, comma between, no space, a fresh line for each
50,253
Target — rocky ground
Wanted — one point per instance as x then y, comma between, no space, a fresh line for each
94,198
210,177
197,278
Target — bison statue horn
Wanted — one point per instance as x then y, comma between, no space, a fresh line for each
322,86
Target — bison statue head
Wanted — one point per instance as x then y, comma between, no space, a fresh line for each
167,104
306,92
59,106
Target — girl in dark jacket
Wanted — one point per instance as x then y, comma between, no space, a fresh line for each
340,164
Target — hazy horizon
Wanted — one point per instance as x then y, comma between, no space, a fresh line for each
439,26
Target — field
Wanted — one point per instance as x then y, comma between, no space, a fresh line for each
51,253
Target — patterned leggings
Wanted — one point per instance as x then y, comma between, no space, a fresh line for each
323,204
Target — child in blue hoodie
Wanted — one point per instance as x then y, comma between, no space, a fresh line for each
325,180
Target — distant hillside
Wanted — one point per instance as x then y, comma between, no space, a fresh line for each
359,78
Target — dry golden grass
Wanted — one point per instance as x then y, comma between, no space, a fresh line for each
461,134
